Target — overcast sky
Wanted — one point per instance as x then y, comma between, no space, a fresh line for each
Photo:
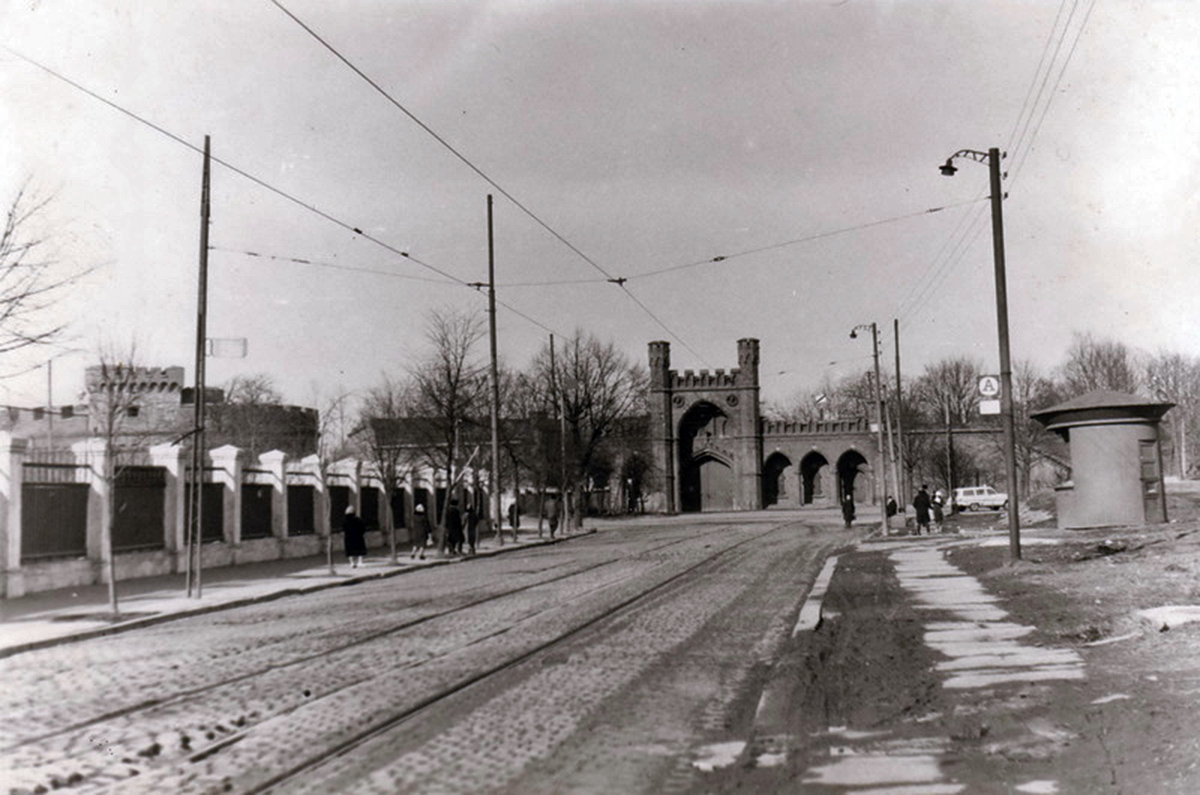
798,140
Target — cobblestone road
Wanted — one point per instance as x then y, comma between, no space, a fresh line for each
600,664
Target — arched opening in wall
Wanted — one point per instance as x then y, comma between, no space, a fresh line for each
777,472
706,480
849,467
812,486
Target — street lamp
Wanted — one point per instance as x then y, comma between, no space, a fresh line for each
992,157
879,415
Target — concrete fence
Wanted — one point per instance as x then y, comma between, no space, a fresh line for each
52,507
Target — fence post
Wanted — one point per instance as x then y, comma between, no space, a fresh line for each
91,454
227,465
171,457
312,464
275,462
12,476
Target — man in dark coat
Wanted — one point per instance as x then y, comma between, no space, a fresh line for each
421,531
471,521
921,503
354,535
848,509
454,528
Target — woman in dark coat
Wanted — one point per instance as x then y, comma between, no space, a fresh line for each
354,534
421,531
848,509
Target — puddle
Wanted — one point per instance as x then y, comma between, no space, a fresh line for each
718,755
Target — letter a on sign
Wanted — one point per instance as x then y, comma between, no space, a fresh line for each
989,386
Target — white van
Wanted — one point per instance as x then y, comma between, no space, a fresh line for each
974,498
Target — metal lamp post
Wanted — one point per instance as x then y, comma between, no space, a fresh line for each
992,157
879,417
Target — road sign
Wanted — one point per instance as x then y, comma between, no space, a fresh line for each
989,386
989,407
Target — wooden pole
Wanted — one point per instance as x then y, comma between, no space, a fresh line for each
196,502
495,373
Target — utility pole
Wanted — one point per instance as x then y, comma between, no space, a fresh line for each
879,428
992,158
560,400
900,484
495,373
196,498
880,468
949,449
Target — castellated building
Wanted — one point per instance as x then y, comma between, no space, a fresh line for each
713,451
162,410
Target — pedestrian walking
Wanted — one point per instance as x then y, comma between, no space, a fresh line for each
922,503
454,528
421,532
514,515
937,503
471,524
354,536
848,509
891,506
552,515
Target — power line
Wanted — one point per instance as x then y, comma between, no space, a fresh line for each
446,144
796,241
333,265
446,276
620,282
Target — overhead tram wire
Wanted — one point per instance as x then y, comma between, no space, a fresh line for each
1054,91
333,265
609,277
926,282
747,252
449,277
1016,147
446,144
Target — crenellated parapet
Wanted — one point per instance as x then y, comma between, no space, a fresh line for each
718,379
815,427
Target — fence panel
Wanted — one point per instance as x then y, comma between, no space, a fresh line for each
256,511
370,507
212,512
339,498
53,520
300,510
139,495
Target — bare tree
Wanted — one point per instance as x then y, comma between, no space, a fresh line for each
30,282
1032,443
384,407
450,390
1099,364
600,388
114,396
1175,377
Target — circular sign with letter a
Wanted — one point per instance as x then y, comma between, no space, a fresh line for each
989,386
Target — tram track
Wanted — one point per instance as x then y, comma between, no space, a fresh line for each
130,713
380,728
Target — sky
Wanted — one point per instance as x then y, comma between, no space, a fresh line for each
752,169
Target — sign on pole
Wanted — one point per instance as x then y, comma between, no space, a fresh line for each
989,386
226,347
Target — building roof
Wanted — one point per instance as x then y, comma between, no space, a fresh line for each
1102,405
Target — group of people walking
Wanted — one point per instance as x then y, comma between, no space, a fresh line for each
928,508
461,527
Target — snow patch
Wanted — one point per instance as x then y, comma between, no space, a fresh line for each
1170,616
717,755
1110,699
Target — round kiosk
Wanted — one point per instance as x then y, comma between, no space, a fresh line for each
1116,460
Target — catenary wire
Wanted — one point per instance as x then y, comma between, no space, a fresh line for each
466,161
1046,107
256,180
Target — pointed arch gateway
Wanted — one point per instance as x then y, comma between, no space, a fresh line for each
706,481
812,479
